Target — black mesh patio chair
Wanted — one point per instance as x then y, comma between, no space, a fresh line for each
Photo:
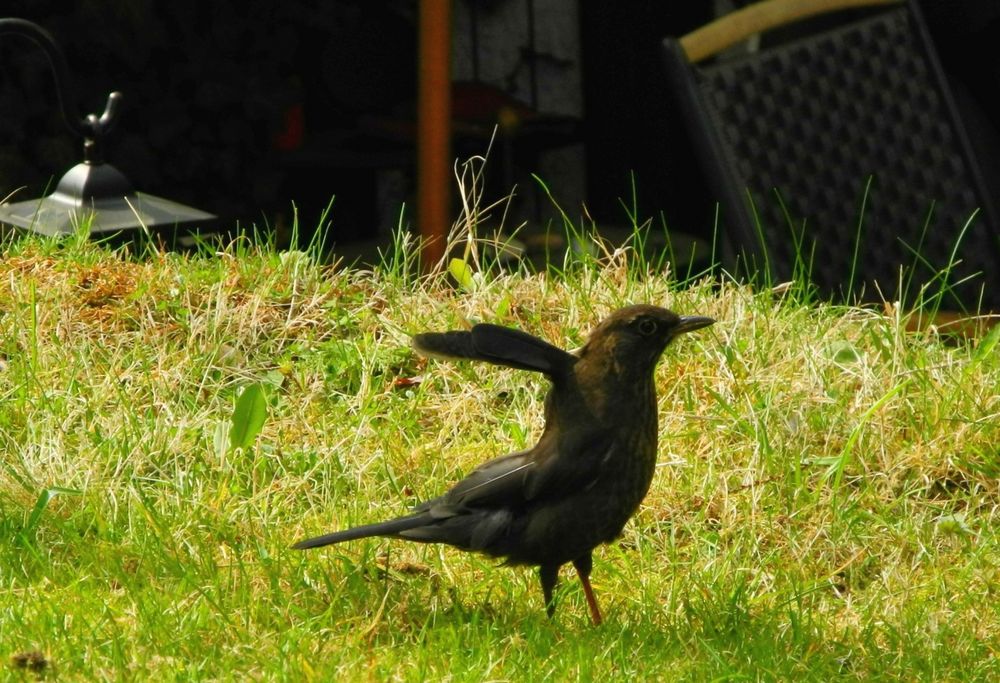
840,150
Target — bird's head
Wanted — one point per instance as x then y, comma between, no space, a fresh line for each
635,336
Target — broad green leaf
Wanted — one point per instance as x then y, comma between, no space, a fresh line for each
462,272
248,417
844,353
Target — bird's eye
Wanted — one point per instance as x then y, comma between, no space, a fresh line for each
646,327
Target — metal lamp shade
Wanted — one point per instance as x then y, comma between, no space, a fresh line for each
101,193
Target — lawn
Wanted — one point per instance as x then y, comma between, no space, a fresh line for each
826,506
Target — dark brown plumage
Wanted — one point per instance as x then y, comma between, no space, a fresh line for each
592,466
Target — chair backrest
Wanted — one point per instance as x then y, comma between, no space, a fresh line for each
844,150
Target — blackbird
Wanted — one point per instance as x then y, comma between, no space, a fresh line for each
583,480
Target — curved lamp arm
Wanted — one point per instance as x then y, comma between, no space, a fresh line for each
92,128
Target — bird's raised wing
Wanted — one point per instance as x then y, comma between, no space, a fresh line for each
498,345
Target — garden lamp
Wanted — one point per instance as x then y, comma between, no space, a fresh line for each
92,189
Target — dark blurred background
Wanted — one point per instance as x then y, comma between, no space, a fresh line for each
241,108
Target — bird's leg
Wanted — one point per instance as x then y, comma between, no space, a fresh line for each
549,575
583,566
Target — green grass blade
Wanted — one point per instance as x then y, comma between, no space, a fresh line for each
42,502
836,469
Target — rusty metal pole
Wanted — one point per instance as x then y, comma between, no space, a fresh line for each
434,128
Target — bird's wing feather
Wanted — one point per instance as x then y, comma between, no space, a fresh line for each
497,483
498,345
570,466
478,509
546,471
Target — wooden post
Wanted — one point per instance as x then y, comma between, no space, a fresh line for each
434,162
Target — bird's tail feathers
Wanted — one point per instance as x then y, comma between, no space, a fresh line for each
390,528
495,344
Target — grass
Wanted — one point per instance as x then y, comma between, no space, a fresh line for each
827,504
